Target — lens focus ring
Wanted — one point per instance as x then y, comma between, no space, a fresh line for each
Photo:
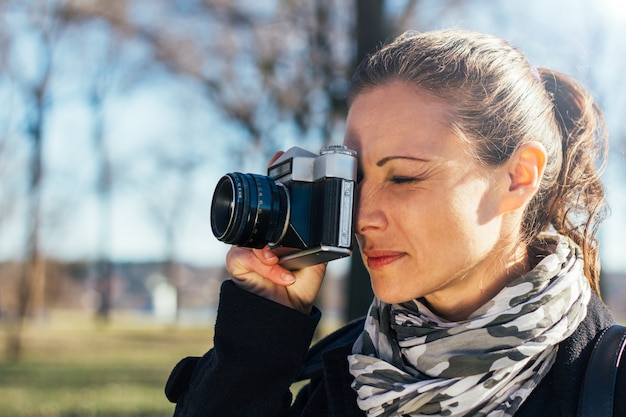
249,210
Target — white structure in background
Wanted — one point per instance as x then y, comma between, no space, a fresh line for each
164,299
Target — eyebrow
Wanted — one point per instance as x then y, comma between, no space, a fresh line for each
391,158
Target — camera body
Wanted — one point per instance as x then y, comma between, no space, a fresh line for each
303,208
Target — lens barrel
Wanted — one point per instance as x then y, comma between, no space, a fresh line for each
249,210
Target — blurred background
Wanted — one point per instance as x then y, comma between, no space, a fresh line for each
117,119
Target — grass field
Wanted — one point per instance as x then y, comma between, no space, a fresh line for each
72,368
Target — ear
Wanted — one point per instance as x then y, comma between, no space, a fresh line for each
525,170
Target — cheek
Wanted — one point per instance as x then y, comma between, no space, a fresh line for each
476,227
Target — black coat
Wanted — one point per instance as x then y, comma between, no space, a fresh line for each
261,348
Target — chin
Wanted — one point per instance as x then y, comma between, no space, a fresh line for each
388,288
393,295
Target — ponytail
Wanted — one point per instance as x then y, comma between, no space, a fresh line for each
576,203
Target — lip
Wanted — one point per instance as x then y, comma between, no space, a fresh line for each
377,259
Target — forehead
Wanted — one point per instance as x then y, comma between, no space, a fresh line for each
398,118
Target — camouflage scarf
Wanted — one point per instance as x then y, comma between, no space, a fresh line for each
410,362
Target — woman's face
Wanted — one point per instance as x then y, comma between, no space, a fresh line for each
428,221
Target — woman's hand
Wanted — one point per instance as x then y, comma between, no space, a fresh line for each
258,271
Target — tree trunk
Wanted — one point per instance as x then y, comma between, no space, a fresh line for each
32,277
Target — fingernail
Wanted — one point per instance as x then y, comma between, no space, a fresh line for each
288,278
269,255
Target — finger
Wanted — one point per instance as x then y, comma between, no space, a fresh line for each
280,276
266,255
244,265
275,272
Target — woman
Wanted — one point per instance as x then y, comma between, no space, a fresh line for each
478,203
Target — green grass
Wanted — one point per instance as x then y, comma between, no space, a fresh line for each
72,368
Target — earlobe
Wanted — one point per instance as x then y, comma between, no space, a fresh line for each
525,171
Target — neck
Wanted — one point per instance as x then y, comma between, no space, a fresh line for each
474,288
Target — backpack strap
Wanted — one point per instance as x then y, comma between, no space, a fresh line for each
598,389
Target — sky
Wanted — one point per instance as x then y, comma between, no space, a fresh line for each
552,33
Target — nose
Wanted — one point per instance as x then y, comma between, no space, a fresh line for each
370,213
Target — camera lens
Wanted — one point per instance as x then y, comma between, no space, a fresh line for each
249,210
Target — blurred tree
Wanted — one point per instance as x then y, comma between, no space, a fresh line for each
41,35
276,70
267,67
109,70
99,86
38,39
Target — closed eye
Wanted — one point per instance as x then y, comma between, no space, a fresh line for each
404,180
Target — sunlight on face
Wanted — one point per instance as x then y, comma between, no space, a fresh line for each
427,220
